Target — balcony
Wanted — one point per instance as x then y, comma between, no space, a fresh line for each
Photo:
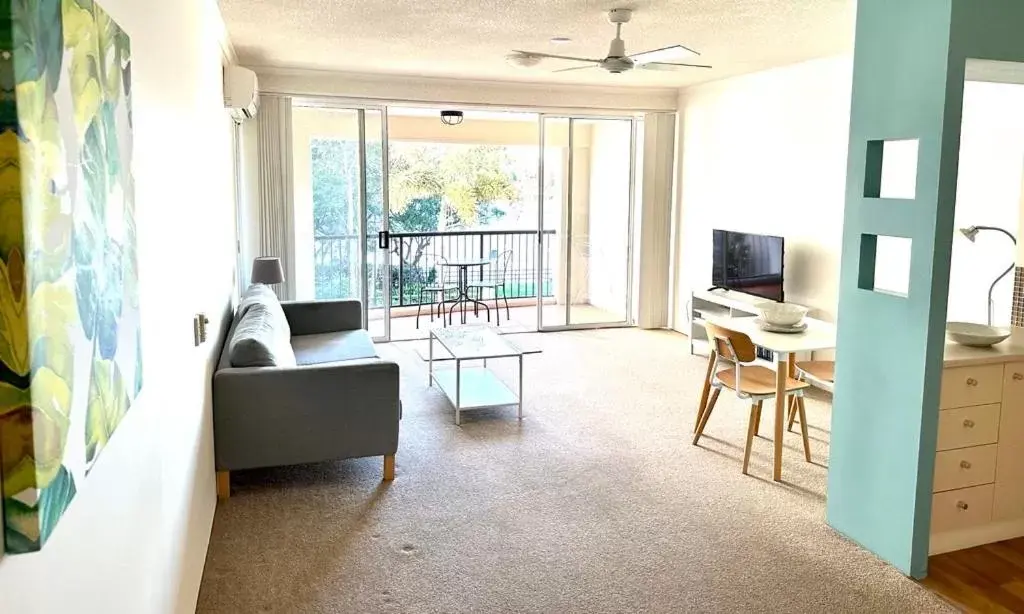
414,258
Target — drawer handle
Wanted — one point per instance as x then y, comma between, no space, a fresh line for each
1018,376
962,506
965,464
971,381
968,424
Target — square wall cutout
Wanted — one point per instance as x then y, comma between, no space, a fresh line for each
885,264
891,170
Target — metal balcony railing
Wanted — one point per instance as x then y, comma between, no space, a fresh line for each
415,256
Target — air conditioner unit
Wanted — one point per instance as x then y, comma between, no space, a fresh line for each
241,92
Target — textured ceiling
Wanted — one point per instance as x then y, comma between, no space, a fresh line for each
470,38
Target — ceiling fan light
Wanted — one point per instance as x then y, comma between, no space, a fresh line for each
667,54
451,118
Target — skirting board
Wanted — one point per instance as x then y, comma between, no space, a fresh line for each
976,536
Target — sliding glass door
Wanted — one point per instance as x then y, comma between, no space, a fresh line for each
470,190
586,224
340,201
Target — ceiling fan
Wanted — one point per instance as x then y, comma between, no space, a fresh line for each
617,60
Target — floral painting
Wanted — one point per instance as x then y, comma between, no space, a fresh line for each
70,340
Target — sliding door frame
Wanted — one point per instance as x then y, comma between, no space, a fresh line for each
627,321
364,232
569,113
385,225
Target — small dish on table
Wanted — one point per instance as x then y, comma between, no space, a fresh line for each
778,328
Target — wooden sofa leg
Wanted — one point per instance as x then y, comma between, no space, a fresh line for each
223,485
389,467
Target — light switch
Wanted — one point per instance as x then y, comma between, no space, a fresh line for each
203,323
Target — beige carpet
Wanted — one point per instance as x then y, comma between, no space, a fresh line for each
597,502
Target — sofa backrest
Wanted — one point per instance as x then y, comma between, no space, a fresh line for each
225,354
260,335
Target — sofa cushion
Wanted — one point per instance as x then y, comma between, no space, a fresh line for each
333,347
262,294
261,339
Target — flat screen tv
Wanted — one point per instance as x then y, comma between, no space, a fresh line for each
749,263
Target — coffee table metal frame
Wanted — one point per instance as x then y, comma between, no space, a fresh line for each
474,387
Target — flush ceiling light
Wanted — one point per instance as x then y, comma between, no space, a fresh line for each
451,118
666,54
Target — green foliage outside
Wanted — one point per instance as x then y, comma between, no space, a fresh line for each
433,188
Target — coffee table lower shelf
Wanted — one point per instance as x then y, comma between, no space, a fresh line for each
480,389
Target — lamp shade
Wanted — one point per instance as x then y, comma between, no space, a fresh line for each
267,270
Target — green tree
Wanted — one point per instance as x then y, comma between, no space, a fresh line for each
334,177
464,179
432,188
443,187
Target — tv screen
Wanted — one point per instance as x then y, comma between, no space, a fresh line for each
748,263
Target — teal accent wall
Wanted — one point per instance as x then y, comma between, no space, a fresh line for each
908,80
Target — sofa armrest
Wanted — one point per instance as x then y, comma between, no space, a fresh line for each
269,416
316,317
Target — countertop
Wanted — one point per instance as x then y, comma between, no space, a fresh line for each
962,356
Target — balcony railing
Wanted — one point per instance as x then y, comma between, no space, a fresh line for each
415,263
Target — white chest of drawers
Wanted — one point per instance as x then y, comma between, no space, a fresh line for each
979,463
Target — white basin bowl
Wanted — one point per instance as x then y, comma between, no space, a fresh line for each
781,314
975,335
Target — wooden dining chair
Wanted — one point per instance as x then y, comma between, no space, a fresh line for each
818,371
747,380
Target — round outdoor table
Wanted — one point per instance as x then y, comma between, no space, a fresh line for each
464,298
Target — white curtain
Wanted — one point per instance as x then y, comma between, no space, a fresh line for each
274,124
656,220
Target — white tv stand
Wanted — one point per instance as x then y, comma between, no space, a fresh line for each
717,302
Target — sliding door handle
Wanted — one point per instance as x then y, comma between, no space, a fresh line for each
383,239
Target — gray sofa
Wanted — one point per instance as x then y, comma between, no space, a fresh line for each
319,392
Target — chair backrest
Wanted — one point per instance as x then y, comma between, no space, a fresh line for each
501,266
731,345
441,271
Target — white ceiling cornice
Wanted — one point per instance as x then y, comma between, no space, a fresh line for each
420,89
227,49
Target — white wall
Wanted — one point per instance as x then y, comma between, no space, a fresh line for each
988,194
134,539
766,153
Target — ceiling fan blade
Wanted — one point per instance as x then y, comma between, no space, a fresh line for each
575,68
556,57
668,66
675,52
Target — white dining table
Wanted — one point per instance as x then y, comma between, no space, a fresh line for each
820,335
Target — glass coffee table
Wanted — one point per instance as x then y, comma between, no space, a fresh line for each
475,387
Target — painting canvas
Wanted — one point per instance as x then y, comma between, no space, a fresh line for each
70,339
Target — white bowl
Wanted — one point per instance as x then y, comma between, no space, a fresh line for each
781,314
975,335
